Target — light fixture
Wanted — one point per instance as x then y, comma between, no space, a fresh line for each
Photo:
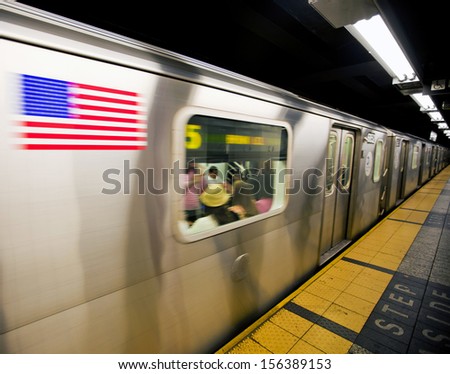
435,116
375,36
424,101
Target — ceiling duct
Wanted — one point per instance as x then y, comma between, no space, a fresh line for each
340,13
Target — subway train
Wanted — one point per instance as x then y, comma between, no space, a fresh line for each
106,140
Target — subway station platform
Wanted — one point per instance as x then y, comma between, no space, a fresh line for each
389,292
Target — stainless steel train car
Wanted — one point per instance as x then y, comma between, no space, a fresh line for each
105,144
411,162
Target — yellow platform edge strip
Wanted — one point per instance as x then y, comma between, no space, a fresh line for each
241,336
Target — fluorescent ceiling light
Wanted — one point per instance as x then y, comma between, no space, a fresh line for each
436,116
443,126
424,101
374,35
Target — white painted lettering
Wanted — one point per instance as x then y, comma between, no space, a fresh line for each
438,320
439,294
386,308
389,326
436,338
440,306
400,299
403,288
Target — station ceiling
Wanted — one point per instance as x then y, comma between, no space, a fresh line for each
287,43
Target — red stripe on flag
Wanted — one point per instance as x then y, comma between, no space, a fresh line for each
104,89
104,109
63,147
32,135
81,127
104,118
104,99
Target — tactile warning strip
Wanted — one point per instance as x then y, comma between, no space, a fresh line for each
370,298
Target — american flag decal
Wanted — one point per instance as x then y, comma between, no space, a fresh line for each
62,115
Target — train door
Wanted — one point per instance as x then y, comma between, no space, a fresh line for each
339,168
433,162
439,160
426,163
401,170
382,151
422,165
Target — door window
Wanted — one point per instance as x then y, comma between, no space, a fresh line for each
347,161
331,162
378,158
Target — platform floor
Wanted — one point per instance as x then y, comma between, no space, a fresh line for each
389,292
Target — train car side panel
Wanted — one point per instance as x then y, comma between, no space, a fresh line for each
366,190
89,239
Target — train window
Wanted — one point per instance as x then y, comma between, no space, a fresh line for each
347,161
331,162
235,174
415,157
377,163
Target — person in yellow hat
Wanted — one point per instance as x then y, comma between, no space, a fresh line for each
215,200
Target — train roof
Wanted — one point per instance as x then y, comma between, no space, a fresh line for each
45,29
41,28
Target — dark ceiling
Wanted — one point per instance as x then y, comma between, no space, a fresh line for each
287,43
